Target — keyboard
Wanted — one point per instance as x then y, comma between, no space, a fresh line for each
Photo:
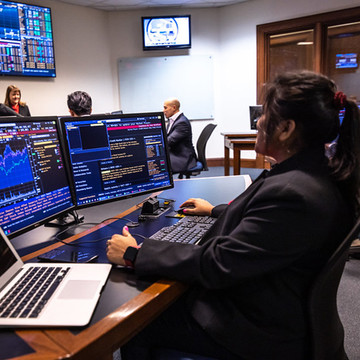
188,230
30,294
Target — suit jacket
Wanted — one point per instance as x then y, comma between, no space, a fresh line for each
24,110
182,152
251,274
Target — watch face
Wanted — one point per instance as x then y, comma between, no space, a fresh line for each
130,255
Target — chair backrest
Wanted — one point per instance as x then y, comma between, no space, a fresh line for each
326,329
201,144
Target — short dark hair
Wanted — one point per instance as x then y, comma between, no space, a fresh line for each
80,103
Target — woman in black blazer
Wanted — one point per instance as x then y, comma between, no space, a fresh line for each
250,276
13,101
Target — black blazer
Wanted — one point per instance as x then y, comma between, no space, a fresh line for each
182,152
251,275
24,110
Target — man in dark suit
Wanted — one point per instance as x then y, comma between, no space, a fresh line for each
179,136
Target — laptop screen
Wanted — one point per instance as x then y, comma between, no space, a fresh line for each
116,156
34,187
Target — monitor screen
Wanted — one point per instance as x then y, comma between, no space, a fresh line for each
116,156
166,32
346,61
26,40
34,185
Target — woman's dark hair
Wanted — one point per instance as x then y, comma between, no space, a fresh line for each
309,99
80,103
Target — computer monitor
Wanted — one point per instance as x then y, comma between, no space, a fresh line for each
116,156
255,113
26,40
34,185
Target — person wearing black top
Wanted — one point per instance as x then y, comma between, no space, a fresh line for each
250,276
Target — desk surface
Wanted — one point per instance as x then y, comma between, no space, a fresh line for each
128,302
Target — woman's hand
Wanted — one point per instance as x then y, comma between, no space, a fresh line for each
117,246
197,207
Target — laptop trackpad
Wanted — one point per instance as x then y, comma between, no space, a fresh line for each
79,289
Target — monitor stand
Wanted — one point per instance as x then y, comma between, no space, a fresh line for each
67,219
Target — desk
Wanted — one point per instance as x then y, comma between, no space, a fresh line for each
128,303
238,142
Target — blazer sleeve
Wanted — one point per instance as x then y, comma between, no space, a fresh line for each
181,130
280,227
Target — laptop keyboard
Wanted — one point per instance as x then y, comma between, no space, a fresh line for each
29,295
188,230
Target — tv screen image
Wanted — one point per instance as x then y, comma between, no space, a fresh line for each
166,32
26,40
346,61
34,185
116,156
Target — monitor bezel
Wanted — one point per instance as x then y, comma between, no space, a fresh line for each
64,119
57,214
164,47
52,76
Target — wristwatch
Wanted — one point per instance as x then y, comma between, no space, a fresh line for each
130,255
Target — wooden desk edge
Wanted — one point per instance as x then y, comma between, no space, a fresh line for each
43,346
103,338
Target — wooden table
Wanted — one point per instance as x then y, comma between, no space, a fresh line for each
238,142
127,303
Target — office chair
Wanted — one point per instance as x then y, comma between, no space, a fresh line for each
6,111
201,164
326,329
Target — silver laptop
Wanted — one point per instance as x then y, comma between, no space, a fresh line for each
72,293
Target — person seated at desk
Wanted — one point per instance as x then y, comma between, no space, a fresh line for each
179,138
79,103
250,276
13,101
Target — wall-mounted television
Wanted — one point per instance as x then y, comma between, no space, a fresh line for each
346,61
26,40
166,32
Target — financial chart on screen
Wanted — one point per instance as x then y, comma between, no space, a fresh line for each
34,186
115,156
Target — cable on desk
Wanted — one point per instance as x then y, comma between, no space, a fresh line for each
76,243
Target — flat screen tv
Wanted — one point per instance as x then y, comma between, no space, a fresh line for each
116,156
26,40
346,61
34,184
166,32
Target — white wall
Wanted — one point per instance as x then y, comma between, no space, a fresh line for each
88,44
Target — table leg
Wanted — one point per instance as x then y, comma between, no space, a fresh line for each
226,161
260,161
237,152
